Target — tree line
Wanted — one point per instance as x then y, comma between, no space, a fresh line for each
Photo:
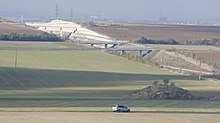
212,42
29,37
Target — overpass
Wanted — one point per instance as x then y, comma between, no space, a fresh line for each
139,49
96,42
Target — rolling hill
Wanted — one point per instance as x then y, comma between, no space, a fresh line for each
53,78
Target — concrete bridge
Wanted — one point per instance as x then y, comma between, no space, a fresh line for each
115,46
124,49
105,43
143,51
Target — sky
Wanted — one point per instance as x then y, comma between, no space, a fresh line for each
114,9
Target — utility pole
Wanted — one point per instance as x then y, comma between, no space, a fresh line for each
71,14
200,66
22,19
180,66
161,61
57,11
16,58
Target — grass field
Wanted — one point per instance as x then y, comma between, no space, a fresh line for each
70,117
72,80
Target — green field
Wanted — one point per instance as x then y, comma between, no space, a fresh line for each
70,80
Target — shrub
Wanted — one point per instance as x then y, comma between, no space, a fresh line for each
213,42
25,37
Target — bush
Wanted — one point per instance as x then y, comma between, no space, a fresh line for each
144,40
25,37
212,42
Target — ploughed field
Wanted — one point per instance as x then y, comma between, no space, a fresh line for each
158,32
209,56
8,28
73,80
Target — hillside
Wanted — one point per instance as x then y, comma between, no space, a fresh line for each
189,55
72,78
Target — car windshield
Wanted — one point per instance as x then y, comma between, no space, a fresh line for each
122,106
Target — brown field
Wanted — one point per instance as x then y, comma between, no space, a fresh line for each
8,28
159,32
209,56
87,117
212,58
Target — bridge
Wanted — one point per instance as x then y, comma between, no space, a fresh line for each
115,46
96,42
139,49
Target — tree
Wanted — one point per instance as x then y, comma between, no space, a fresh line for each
25,37
171,41
143,38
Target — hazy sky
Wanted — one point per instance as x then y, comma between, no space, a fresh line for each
129,9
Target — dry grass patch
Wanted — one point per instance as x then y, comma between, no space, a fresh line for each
61,117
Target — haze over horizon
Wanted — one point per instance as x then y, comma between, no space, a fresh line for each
114,9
